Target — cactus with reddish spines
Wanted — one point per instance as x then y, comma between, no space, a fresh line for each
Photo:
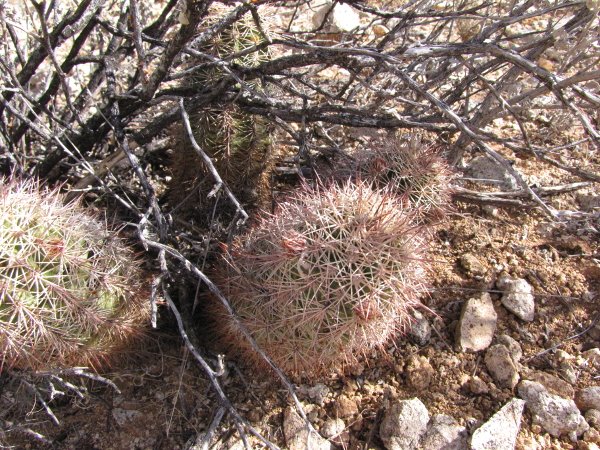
237,142
71,293
415,170
333,273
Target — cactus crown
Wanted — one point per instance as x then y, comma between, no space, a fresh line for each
70,292
333,273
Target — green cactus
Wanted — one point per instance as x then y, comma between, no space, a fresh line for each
333,273
70,292
415,170
237,142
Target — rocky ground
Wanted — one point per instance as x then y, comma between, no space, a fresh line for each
507,355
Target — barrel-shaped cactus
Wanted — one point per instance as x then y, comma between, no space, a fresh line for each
415,170
70,292
333,273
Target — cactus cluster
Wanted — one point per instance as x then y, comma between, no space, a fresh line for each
411,169
70,292
333,273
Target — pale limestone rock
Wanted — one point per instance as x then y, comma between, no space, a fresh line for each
500,432
477,324
404,424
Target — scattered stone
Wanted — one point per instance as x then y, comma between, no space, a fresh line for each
517,297
471,264
404,424
487,171
420,331
512,345
592,416
345,407
342,19
477,386
500,432
418,372
588,398
592,355
297,435
443,432
501,366
552,383
318,393
335,431
475,329
555,414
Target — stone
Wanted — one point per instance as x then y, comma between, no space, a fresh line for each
380,30
516,352
404,424
342,19
318,393
592,436
500,432
418,372
501,366
472,265
475,329
588,398
517,297
444,433
485,170
335,430
593,356
420,330
552,383
297,435
555,414
592,417
345,407
477,386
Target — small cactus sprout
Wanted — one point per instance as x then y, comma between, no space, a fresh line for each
333,273
408,167
70,292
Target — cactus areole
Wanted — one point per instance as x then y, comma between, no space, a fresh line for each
333,273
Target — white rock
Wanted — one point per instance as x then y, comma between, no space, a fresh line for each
477,324
501,366
332,428
342,19
517,297
588,398
297,435
404,424
487,171
443,432
500,432
555,414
